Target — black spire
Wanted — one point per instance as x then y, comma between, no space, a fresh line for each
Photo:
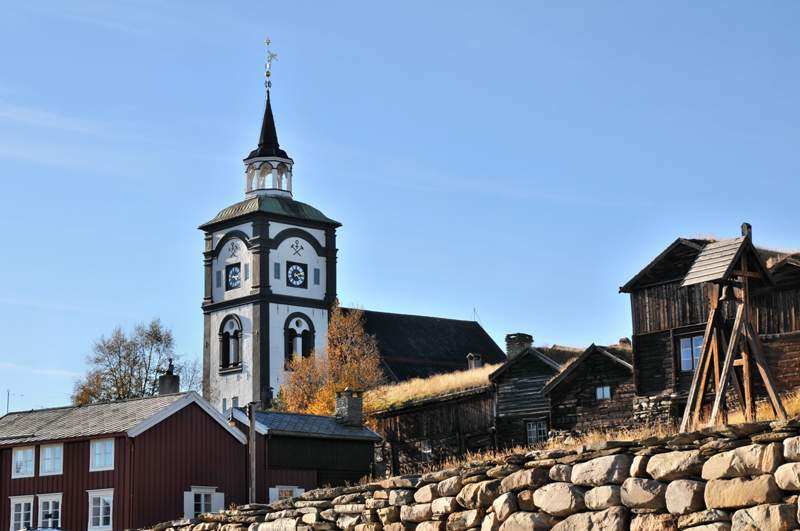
268,143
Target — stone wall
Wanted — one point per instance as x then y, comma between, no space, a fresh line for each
738,478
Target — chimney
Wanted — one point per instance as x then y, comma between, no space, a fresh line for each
747,230
474,361
625,342
516,343
349,408
169,383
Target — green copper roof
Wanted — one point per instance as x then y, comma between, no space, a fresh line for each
282,206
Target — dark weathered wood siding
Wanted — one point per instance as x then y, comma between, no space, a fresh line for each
574,404
453,426
73,484
519,400
334,461
187,449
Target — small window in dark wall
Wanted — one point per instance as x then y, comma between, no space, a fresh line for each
537,432
690,352
603,392
219,279
276,271
427,452
316,277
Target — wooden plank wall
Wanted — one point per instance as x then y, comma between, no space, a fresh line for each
667,306
574,402
652,363
777,312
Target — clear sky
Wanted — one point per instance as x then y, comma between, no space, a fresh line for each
522,159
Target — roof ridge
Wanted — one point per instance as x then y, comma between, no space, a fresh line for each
91,404
414,315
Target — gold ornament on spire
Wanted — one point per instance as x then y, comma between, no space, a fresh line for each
270,57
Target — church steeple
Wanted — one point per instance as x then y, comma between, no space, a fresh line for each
268,168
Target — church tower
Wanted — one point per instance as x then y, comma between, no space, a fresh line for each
270,279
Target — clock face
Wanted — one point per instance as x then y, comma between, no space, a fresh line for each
234,276
296,275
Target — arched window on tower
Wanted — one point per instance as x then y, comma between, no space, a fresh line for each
281,175
299,337
250,175
265,176
230,343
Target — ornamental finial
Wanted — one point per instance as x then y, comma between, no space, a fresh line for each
270,57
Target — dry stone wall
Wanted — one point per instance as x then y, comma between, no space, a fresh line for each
740,478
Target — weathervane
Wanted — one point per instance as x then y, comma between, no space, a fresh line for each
270,57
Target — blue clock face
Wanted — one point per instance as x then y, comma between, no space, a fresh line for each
234,276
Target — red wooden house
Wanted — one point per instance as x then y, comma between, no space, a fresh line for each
118,465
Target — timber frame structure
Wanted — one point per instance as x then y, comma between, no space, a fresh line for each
734,263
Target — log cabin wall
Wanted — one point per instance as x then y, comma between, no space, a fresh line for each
452,425
519,400
574,404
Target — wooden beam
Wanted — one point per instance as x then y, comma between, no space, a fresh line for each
737,386
766,374
702,390
704,353
727,367
739,273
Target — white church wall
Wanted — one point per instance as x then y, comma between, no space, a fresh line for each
278,313
247,228
238,384
308,256
243,258
277,228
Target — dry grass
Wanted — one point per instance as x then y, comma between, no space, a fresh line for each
395,395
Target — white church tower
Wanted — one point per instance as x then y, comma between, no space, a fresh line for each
270,279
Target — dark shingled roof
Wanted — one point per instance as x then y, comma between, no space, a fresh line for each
302,425
281,206
615,354
716,261
413,346
268,141
80,421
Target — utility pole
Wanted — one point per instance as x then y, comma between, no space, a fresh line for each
252,407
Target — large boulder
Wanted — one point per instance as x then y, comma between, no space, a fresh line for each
791,449
389,515
530,478
350,508
654,522
419,512
639,466
752,460
465,520
480,494
504,505
442,506
347,521
741,492
612,519
640,493
600,498
450,486
561,473
602,471
525,521
427,494
778,517
399,497
685,496
674,465
788,476
491,523
525,501
560,499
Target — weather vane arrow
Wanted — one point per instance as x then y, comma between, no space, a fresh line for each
270,57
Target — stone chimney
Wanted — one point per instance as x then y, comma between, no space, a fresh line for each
474,361
625,342
516,343
169,382
747,230
349,408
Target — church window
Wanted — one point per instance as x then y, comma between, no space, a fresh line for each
219,279
316,277
247,271
277,271
299,338
230,339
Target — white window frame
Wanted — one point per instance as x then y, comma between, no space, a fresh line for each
14,473
101,493
92,443
43,460
289,492
426,451
603,392
217,500
20,499
44,498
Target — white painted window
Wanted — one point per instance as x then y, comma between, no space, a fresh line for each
21,512
101,509
283,492
50,511
690,352
426,451
23,462
537,432
102,455
50,462
603,392
201,500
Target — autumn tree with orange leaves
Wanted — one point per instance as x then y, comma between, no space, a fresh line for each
350,359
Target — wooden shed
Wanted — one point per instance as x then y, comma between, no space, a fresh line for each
595,391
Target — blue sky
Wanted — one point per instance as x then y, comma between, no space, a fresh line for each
523,159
